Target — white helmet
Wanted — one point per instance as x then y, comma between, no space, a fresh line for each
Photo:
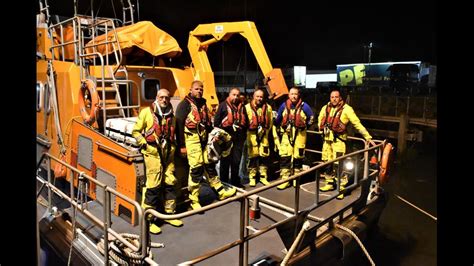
219,144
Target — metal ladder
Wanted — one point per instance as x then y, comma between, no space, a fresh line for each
104,69
44,9
127,12
111,75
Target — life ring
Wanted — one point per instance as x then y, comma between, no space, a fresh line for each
384,163
89,86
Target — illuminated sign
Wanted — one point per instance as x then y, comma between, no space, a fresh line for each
299,76
377,74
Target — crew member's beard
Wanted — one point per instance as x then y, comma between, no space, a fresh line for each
163,110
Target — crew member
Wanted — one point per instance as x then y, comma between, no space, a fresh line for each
229,117
154,132
259,122
293,118
193,126
332,120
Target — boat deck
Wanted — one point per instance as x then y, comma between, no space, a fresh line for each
205,232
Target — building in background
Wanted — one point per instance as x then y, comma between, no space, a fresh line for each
398,77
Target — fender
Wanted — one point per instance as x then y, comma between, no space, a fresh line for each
384,162
60,169
88,85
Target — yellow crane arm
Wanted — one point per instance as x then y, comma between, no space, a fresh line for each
206,34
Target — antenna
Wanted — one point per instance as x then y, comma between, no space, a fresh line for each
92,9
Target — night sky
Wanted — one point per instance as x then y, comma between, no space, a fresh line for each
320,36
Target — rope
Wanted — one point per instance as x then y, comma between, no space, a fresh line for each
74,236
358,241
53,100
68,129
79,196
122,254
417,208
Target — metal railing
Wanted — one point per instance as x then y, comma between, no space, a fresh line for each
244,198
422,110
92,26
105,222
81,24
419,107
107,26
102,81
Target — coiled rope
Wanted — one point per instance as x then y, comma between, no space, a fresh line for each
122,254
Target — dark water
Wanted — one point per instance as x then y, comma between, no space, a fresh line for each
405,236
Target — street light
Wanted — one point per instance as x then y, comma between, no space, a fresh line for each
370,51
371,45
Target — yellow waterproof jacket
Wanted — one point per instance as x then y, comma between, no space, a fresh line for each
144,123
347,115
255,138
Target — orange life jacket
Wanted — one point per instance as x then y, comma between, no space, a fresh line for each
293,119
333,122
201,117
165,131
234,115
257,120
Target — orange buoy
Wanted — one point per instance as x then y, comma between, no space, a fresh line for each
87,90
384,163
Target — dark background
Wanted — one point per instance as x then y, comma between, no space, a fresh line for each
317,34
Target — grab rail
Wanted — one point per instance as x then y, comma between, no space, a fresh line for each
243,199
103,223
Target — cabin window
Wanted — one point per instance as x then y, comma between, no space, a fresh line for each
47,103
39,96
150,88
